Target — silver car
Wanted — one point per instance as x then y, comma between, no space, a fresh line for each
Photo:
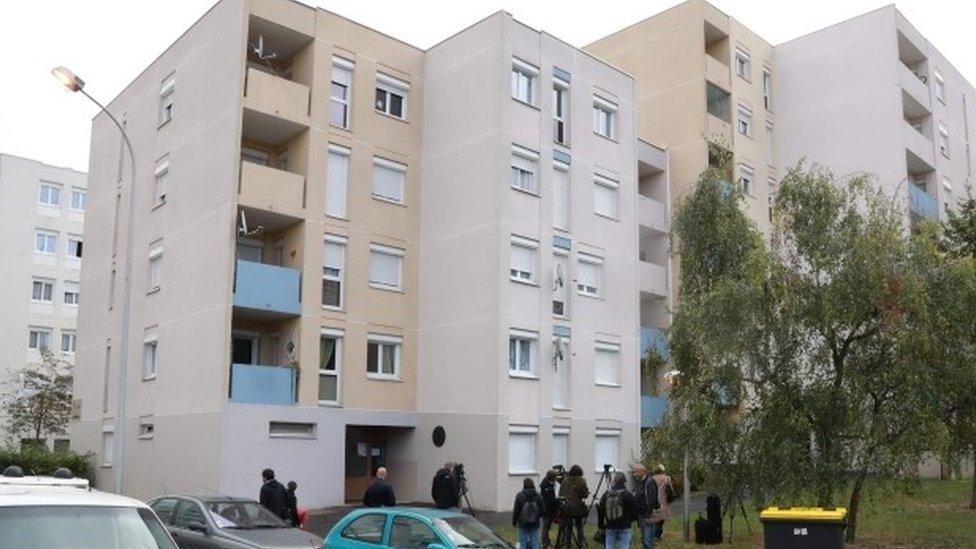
220,522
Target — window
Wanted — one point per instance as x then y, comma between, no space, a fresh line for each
944,140
49,195
940,92
366,529
167,96
39,339
42,290
388,179
560,276
108,446
160,182
408,533
521,450
560,196
74,247
605,448
78,200
605,196
155,268
62,445
521,351
746,175
523,263
769,144
69,341
560,111
291,429
146,431
336,181
604,117
46,242
187,513
524,166
391,96
523,81
149,348
340,92
588,275
767,89
383,356
385,267
255,156
330,362
71,293
745,121
333,270
770,195
606,363
743,64
560,446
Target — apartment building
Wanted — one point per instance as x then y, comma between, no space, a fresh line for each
42,215
340,265
882,100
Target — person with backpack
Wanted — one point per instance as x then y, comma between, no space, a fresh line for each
574,492
646,495
665,495
527,514
616,512
547,489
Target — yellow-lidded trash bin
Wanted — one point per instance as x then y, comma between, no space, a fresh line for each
803,527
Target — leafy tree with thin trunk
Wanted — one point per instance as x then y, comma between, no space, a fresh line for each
40,406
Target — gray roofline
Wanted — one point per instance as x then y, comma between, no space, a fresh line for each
839,23
42,163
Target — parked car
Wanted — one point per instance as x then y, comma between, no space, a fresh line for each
220,522
63,512
410,528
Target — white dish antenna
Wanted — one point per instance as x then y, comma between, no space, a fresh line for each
243,231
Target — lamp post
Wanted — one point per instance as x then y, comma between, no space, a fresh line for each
672,379
74,84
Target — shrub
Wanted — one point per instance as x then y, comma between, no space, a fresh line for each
35,460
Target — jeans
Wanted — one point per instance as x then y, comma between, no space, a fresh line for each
648,533
529,538
617,538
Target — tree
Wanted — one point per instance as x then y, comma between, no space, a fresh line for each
42,405
807,366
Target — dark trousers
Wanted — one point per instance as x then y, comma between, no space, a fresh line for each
659,531
577,523
546,526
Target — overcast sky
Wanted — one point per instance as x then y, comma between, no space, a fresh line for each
109,42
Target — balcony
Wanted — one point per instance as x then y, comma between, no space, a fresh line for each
276,96
922,204
920,147
264,291
652,214
256,384
717,72
654,338
653,279
652,410
913,86
271,189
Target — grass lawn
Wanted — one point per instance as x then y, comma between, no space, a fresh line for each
934,516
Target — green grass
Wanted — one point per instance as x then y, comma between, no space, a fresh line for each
932,514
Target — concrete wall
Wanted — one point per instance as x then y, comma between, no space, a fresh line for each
21,215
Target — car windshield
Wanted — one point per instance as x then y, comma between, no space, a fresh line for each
468,532
242,515
81,527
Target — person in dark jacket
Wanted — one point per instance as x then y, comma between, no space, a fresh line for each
616,513
574,492
380,493
444,490
527,514
291,502
273,496
547,489
645,492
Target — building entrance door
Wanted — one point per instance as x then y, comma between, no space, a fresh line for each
365,453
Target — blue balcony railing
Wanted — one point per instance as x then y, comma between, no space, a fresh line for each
922,203
657,339
267,288
256,384
652,410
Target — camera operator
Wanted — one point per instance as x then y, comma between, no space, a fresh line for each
445,489
574,491
547,489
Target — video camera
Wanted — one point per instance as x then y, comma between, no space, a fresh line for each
560,472
462,482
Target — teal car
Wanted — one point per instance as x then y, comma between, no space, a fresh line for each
410,528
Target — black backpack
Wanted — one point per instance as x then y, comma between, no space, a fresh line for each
530,512
614,507
669,493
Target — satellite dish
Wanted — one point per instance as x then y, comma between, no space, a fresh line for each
259,50
243,230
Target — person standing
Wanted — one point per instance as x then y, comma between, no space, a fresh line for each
646,495
665,495
273,496
380,493
575,491
291,503
444,490
527,513
616,513
547,489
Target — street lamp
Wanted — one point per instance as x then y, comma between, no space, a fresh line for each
72,83
672,377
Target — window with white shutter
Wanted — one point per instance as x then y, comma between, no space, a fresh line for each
560,446
605,196
605,448
588,275
560,196
521,353
521,449
606,363
333,271
388,179
340,92
525,164
385,267
523,260
337,181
